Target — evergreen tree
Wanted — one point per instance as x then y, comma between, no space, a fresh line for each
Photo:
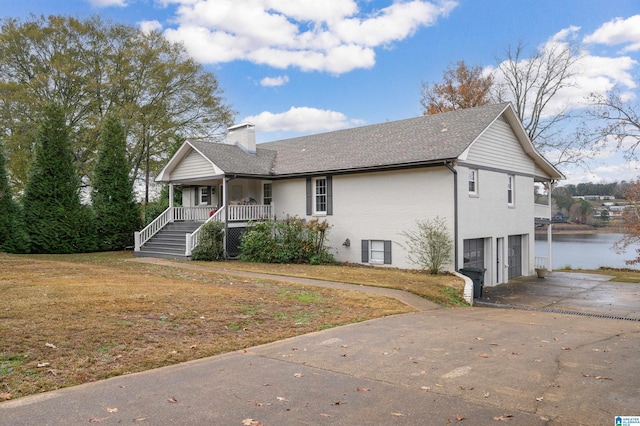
13,238
55,220
117,215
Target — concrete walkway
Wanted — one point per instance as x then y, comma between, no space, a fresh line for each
474,366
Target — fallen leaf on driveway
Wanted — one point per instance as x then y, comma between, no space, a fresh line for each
503,418
325,415
251,422
540,398
483,355
139,419
459,417
112,410
172,400
565,348
397,414
97,420
283,399
298,375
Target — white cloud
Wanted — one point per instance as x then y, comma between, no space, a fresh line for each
149,26
300,119
274,81
618,31
334,36
108,3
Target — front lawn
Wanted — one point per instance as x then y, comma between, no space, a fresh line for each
71,319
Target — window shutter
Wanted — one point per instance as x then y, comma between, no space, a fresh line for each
196,189
387,252
329,195
365,251
309,198
208,195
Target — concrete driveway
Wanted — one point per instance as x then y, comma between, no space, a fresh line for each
568,292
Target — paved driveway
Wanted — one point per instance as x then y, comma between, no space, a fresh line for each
569,292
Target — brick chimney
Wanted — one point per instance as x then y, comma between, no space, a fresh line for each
243,136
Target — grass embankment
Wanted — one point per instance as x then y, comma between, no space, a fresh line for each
621,275
70,319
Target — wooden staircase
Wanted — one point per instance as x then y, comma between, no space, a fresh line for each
169,242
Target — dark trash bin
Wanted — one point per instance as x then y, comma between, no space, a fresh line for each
477,276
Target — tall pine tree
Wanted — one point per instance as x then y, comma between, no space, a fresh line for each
13,238
55,220
117,215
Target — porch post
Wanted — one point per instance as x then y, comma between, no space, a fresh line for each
549,229
171,212
225,203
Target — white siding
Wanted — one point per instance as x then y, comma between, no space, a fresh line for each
499,148
375,206
193,166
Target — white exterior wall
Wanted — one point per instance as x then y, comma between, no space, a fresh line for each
375,206
192,166
501,153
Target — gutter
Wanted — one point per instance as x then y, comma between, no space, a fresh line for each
449,166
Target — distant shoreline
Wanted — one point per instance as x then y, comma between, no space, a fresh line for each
570,228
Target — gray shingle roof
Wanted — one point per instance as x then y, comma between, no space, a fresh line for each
234,160
416,140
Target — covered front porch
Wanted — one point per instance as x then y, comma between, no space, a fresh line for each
175,232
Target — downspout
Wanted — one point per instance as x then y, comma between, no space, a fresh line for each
455,212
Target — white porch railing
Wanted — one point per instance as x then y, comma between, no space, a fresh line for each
540,262
250,212
241,213
541,211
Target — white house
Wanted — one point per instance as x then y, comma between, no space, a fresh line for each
476,167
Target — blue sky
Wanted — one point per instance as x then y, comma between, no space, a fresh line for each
305,66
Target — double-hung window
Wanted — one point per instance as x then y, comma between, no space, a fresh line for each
319,196
266,194
511,190
473,181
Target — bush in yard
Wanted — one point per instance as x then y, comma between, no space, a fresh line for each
429,247
211,244
286,241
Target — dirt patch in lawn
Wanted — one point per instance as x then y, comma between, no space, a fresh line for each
66,320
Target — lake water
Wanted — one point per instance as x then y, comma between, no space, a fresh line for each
585,251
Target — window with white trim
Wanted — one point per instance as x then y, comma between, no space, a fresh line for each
473,181
376,251
511,190
266,194
204,195
320,195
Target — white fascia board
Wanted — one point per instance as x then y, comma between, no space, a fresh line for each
181,153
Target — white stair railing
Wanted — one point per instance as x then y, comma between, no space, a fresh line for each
152,229
192,240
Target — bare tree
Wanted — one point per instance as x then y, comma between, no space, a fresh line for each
532,84
461,87
620,119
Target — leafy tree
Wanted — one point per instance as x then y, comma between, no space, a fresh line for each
13,238
55,220
91,68
431,246
631,222
116,212
461,87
